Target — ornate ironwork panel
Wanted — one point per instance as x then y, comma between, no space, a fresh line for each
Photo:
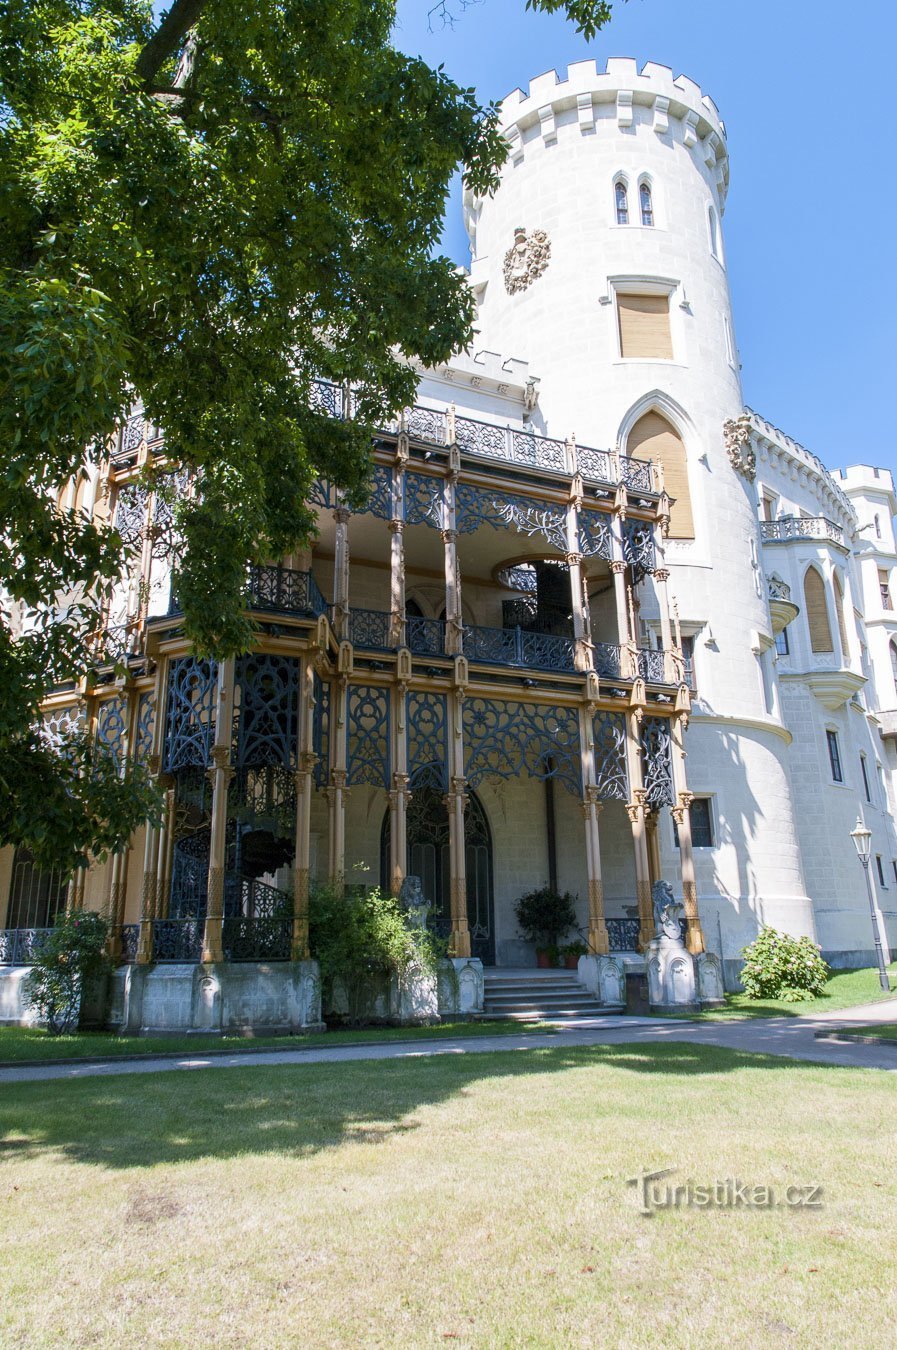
285,590
638,547
62,723
322,494
607,660
258,925
623,934
20,946
263,797
130,938
267,716
481,438
539,452
190,861
425,637
425,424
594,465
519,647
112,724
476,506
427,744
636,474
609,732
131,513
145,719
657,761
651,666
325,398
424,500
369,628
190,720
595,540
367,732
510,740
380,502
178,939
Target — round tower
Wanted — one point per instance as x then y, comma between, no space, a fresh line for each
600,259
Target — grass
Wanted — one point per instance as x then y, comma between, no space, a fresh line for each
20,1044
886,1031
469,1198
844,989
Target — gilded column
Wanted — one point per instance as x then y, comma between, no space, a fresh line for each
578,601
636,810
456,804
219,774
652,819
399,795
166,848
151,843
625,635
341,573
694,936
591,810
337,790
672,656
396,583
454,618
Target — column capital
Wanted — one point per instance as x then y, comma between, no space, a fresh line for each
634,812
661,574
574,559
396,526
678,814
618,567
307,762
338,778
449,536
685,799
342,515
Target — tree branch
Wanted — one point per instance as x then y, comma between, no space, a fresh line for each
168,37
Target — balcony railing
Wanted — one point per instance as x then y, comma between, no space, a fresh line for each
263,929
425,637
178,939
623,934
800,527
518,647
277,590
369,628
19,946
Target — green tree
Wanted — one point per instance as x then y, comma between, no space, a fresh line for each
204,214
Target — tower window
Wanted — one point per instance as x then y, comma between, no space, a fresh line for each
645,326
881,871
817,612
701,817
834,756
645,203
877,527
621,198
654,438
884,586
782,643
713,228
865,778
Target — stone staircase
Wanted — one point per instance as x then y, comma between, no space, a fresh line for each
539,995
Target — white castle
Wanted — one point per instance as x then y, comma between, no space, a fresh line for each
599,626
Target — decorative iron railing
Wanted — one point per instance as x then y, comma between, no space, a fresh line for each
517,647
510,446
178,939
607,661
799,527
19,946
777,589
262,929
425,637
623,934
636,474
115,644
129,940
369,628
285,590
652,667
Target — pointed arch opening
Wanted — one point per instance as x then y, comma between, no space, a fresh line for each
893,650
817,612
842,626
654,437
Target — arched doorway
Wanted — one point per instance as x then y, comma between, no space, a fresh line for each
428,858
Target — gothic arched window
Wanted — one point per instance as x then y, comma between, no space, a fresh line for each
817,612
646,205
713,227
621,198
654,438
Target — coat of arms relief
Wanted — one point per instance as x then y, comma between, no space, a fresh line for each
526,259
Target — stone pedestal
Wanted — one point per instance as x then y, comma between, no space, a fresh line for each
461,986
605,978
671,975
252,998
711,987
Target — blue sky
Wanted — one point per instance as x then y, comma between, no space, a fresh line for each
805,89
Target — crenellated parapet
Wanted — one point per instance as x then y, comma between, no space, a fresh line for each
651,101
792,461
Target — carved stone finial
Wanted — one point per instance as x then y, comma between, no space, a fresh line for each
737,440
526,259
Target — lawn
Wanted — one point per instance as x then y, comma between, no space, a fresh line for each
886,1031
844,989
478,1199
21,1044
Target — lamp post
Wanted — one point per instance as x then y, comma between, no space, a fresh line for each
863,840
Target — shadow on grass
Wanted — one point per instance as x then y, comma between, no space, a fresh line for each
139,1121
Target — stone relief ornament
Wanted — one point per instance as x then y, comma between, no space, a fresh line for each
526,259
737,439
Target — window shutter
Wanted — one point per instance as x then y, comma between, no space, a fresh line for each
817,612
652,437
645,326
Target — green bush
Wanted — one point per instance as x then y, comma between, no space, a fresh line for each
544,916
72,957
356,937
779,966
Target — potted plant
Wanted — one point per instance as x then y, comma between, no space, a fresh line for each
572,952
543,917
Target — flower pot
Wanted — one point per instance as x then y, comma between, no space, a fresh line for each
571,962
544,961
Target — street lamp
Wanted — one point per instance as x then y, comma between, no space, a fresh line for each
863,840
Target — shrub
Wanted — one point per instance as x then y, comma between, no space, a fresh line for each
354,937
777,965
544,916
71,958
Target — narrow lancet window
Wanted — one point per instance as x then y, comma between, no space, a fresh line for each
645,203
621,197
